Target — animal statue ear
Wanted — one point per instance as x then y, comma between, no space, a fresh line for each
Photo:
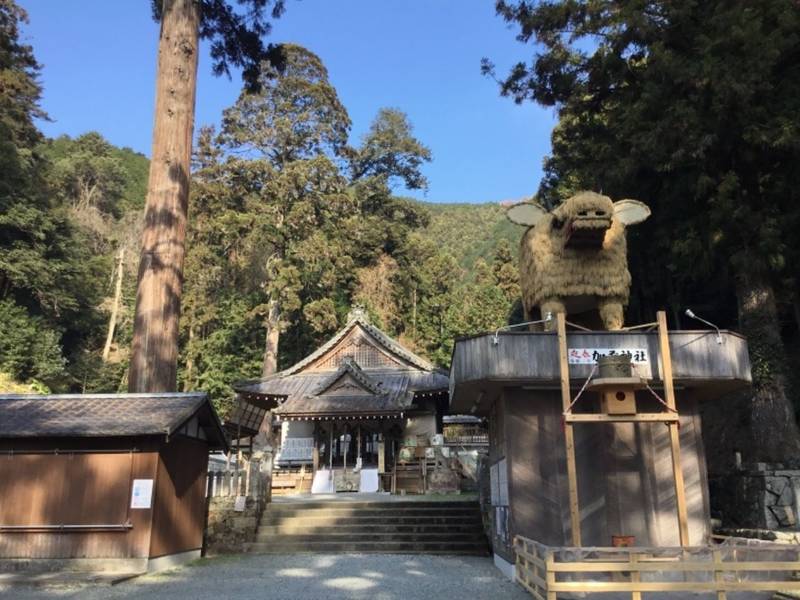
631,212
526,213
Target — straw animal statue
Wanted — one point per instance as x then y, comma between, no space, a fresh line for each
573,259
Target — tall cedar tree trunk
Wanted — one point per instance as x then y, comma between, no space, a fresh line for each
112,321
273,334
270,366
773,428
154,355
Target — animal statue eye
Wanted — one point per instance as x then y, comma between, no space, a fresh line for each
582,213
600,213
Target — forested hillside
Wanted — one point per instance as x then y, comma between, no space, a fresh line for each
470,231
292,222
100,189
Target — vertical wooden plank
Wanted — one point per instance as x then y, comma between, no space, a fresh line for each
569,436
721,594
674,432
636,576
550,576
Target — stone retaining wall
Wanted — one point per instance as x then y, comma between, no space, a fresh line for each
229,530
759,496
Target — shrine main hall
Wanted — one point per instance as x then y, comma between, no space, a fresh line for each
355,415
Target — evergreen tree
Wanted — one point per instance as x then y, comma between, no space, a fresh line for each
692,108
236,40
44,262
290,131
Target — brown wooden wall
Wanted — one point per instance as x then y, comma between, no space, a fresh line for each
72,489
625,483
179,503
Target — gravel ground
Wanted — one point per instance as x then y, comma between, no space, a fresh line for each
305,577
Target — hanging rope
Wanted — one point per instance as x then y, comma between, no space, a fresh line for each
660,399
586,383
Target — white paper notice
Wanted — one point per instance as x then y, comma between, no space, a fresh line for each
142,495
589,356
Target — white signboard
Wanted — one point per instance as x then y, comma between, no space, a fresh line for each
589,356
239,503
142,494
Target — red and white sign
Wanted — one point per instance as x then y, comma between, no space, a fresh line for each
589,356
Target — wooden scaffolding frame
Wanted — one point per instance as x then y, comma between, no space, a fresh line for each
670,418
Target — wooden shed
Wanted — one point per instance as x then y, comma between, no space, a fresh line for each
622,465
113,482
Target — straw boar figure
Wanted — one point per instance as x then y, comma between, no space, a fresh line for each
573,259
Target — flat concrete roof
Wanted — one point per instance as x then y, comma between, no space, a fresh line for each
484,364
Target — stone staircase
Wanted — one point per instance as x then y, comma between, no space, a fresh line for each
397,526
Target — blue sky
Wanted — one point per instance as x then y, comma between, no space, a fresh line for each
421,56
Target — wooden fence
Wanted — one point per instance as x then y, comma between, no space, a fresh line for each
546,571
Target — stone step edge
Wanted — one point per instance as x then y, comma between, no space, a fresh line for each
475,552
387,504
384,537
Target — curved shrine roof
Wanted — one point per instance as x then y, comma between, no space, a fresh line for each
359,371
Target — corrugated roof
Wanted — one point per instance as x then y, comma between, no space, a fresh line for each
104,415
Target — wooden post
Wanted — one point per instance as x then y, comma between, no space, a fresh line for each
549,574
569,436
345,435
636,576
240,413
330,454
674,431
721,595
315,451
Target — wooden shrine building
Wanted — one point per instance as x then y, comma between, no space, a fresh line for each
347,410
569,470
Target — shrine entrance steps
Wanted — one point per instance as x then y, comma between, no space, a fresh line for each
396,526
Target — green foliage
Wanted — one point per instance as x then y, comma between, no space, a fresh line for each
29,349
691,107
389,150
471,231
290,226
235,36
688,106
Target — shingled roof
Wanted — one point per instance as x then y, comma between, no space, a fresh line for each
359,371
106,415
